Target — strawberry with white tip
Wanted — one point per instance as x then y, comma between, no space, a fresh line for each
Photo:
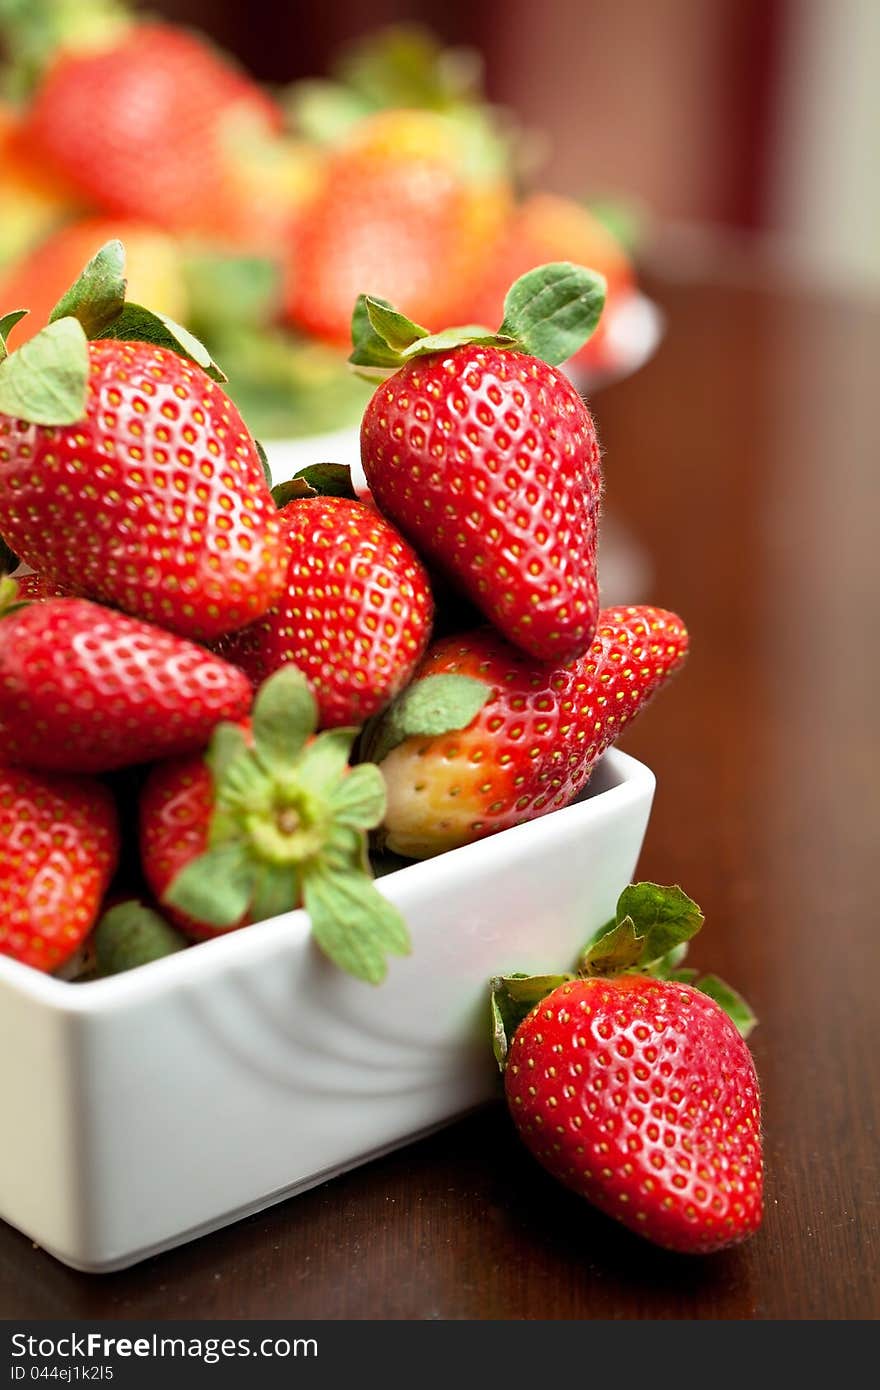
486,738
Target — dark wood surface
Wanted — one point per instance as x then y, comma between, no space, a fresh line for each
745,460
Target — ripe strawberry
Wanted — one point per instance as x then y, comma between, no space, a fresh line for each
32,199
40,278
58,850
488,462
549,228
169,106
87,689
155,501
271,819
33,588
534,742
356,614
176,806
641,1095
406,211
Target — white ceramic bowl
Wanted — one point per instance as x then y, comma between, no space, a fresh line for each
146,1109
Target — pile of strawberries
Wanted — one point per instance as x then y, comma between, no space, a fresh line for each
265,680
257,216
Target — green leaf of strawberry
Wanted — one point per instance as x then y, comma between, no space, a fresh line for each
513,998
7,323
429,707
316,480
131,934
288,829
44,382
98,296
651,924
649,937
135,324
550,312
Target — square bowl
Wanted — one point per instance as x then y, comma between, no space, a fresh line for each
146,1109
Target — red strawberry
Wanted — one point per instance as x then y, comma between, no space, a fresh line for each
271,819
154,502
176,806
58,850
534,742
488,462
356,615
86,689
641,1095
33,588
405,210
169,108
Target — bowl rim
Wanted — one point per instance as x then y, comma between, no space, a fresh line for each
630,780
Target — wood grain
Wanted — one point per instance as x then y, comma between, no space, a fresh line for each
745,460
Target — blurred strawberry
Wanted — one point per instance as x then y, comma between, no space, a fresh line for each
38,280
31,196
406,211
170,108
268,181
550,228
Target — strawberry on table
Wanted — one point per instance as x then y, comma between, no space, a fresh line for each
356,613
486,458
58,850
525,736
631,1081
87,689
271,819
126,473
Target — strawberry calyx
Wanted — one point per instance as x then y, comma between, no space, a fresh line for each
427,708
649,935
289,829
316,480
549,313
131,934
44,381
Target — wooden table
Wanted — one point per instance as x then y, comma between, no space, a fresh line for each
745,459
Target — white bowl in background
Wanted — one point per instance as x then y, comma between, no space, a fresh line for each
149,1108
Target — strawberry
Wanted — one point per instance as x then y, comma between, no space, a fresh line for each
272,818
637,1090
176,806
32,199
126,473
58,850
39,279
550,228
356,613
487,459
406,210
87,689
169,107
531,736
33,588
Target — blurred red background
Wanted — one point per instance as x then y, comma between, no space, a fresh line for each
673,102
